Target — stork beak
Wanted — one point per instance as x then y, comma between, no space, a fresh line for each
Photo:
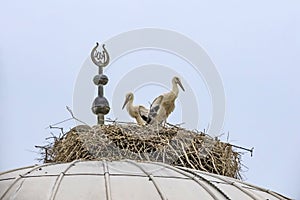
180,84
126,101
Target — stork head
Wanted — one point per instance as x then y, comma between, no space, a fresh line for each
176,80
129,97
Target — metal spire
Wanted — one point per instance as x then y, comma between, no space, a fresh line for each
100,105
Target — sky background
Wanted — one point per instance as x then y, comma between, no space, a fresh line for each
255,46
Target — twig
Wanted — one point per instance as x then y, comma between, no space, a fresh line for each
176,125
41,147
59,123
227,136
218,136
186,155
250,150
120,122
55,127
111,120
71,112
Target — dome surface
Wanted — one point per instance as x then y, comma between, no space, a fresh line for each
123,180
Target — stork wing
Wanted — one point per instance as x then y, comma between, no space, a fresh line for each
143,112
155,108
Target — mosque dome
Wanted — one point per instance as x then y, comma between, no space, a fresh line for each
123,180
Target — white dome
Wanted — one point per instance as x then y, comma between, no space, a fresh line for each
123,180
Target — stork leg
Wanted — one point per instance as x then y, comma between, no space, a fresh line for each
164,123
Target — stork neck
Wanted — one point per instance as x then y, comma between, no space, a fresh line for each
129,104
175,89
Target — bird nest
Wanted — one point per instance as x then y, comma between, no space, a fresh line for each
172,145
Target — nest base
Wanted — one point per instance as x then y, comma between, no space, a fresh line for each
171,145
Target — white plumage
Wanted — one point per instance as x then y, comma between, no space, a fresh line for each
163,105
139,112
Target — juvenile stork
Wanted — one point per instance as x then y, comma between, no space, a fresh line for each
139,112
163,105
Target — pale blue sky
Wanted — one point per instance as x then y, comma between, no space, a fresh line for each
255,45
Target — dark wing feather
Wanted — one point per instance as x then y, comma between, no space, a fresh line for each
154,108
143,113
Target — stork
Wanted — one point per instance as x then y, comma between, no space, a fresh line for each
139,112
163,105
